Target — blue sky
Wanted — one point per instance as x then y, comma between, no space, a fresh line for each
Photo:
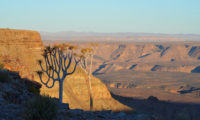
151,16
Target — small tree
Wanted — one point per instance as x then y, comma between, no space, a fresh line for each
58,63
88,53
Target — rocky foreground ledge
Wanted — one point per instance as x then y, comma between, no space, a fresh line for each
78,114
15,92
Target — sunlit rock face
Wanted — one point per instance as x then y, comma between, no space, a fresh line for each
20,50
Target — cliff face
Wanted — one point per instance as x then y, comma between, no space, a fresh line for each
20,50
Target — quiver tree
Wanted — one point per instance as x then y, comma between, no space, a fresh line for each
86,64
59,62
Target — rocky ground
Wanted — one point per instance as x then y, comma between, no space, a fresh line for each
165,110
77,114
15,92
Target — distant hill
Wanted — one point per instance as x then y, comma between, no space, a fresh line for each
127,36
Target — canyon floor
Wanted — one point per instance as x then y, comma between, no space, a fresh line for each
167,86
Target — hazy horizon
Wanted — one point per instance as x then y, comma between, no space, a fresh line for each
139,33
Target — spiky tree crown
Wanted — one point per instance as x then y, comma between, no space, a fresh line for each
93,44
39,72
86,50
57,61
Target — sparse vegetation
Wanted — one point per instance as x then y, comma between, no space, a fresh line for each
33,89
1,65
41,108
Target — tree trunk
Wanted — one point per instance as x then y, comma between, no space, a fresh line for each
91,99
90,84
61,91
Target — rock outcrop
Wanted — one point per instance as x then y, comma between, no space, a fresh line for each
121,85
14,92
20,50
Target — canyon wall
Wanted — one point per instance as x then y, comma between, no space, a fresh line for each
155,56
19,50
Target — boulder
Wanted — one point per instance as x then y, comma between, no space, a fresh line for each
152,99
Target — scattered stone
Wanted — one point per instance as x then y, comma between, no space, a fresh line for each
76,111
64,106
145,117
152,99
121,114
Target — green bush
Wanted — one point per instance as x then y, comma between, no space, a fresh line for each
33,89
4,77
41,108
1,65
